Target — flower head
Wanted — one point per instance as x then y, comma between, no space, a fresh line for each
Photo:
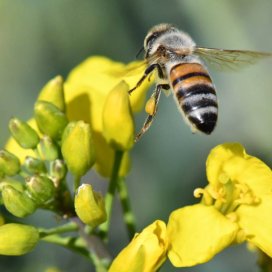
235,207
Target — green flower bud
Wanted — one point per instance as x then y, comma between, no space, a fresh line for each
9,163
23,133
19,186
50,119
78,148
89,206
40,188
118,123
34,166
16,202
58,170
17,239
47,149
53,92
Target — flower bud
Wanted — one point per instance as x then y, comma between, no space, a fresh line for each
57,171
89,206
34,166
16,184
118,123
47,149
40,188
50,119
9,163
17,239
17,203
23,133
78,148
53,92
146,252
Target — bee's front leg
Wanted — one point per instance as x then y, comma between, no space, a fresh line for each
148,71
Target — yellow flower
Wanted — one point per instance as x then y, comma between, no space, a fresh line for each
235,207
145,253
86,90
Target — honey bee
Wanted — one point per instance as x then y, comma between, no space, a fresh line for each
178,63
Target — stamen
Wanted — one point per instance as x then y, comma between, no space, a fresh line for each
206,197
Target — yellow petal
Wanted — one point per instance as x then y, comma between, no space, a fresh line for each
89,83
146,251
256,222
196,233
231,161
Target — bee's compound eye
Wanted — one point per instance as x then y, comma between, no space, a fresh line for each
151,38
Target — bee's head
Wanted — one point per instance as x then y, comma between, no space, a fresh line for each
153,34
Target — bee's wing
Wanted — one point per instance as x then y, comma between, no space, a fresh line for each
230,59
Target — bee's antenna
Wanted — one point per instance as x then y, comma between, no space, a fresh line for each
139,52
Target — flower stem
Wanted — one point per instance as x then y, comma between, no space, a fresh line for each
76,182
104,228
73,243
69,227
128,215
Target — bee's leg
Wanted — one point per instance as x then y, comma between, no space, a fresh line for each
148,70
156,94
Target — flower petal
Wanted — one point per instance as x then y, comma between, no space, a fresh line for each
231,161
256,222
146,251
196,233
90,82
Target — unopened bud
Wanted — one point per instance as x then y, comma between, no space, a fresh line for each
58,169
16,184
47,149
89,206
9,163
50,119
23,133
118,123
53,92
17,203
78,148
40,188
34,166
17,239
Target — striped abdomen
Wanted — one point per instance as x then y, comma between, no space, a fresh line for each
196,95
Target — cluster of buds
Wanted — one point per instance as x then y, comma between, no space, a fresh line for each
51,145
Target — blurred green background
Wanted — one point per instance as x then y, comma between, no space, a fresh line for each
40,39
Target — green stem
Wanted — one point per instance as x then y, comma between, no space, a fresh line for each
104,228
76,182
128,215
96,248
75,244
69,227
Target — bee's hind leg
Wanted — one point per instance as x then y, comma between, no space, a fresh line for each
148,121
